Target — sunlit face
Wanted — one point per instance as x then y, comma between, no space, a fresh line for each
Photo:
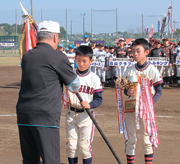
60,49
71,49
139,54
151,42
121,43
106,50
86,39
166,42
101,48
158,45
111,50
83,62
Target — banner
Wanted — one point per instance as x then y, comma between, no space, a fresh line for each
151,32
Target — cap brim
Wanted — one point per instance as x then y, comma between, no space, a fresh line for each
59,34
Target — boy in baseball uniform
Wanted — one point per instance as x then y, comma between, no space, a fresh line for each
71,55
79,126
140,49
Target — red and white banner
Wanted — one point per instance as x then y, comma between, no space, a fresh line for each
144,109
120,110
151,32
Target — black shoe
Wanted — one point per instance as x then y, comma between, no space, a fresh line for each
164,85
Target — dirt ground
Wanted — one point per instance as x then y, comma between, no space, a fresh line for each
167,116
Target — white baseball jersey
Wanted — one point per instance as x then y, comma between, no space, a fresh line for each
101,55
79,126
90,83
95,51
177,51
155,78
64,52
150,71
85,44
71,57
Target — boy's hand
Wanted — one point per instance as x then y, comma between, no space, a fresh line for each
85,105
130,92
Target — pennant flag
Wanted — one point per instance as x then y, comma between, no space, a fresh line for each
29,33
159,24
151,32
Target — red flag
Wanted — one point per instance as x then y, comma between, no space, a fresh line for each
151,32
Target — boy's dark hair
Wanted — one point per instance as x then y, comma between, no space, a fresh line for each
84,51
141,41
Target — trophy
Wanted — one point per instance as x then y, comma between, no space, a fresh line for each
126,83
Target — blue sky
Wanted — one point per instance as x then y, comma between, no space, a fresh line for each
129,13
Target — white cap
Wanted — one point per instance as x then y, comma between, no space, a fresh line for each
179,40
49,26
122,39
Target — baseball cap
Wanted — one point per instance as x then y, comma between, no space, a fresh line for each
122,39
49,26
152,39
100,44
71,46
60,45
86,36
179,40
171,42
91,44
111,47
106,46
165,39
93,41
157,41
67,49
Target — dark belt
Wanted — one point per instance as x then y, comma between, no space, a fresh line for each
77,110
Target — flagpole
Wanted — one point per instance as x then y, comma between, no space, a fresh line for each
32,9
171,21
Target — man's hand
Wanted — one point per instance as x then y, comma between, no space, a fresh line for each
170,64
105,68
130,92
85,105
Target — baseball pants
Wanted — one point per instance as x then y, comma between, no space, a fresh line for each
39,142
160,69
167,71
121,70
132,134
178,73
93,69
79,134
101,73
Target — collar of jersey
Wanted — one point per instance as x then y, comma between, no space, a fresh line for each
83,73
70,52
142,67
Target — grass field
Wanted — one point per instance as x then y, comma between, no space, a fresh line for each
9,57
9,60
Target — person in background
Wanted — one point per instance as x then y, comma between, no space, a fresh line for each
61,48
71,55
86,40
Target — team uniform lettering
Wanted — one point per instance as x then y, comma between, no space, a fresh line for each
86,89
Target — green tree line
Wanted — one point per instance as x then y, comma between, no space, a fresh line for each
9,30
